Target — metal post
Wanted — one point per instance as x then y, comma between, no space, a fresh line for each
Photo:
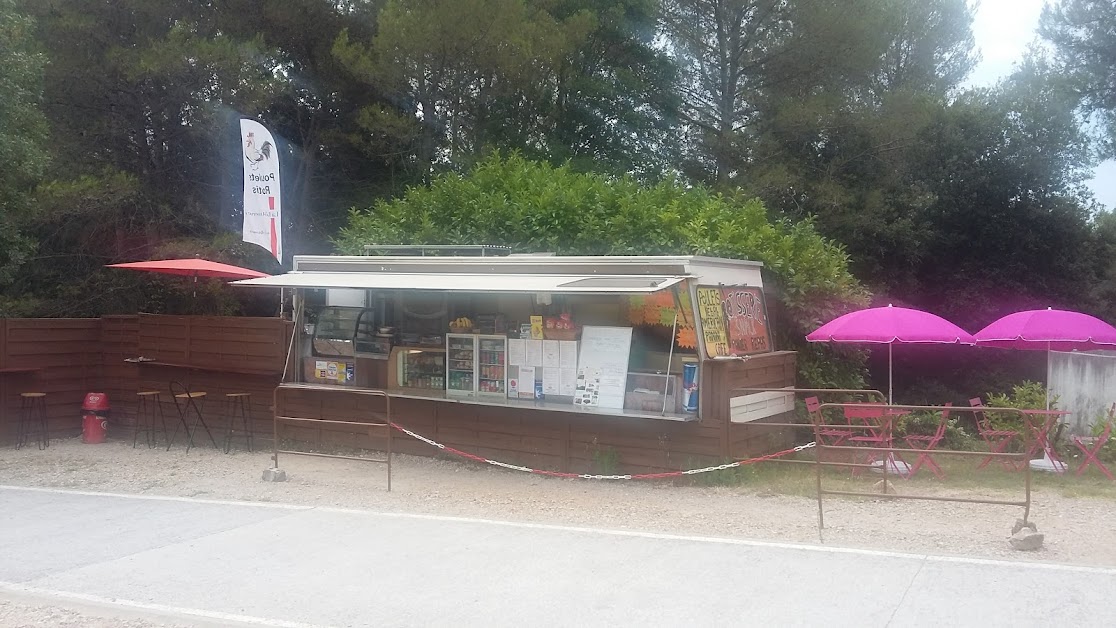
390,431
670,361
275,428
818,448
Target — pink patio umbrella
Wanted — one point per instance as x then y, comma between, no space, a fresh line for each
889,325
1048,330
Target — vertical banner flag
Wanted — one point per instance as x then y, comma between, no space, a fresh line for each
263,214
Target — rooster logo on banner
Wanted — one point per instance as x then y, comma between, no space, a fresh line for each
256,155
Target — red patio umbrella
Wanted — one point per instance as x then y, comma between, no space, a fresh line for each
192,267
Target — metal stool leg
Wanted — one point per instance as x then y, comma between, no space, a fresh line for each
191,403
141,413
246,407
162,420
33,417
239,406
23,424
43,422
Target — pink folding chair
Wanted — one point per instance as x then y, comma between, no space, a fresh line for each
877,435
1091,446
998,440
832,435
925,443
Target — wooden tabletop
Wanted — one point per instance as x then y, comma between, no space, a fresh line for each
214,369
21,369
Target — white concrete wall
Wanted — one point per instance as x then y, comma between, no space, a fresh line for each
1085,384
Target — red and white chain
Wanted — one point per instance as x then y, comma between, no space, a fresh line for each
588,476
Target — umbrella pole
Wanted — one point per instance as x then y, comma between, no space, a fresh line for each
890,397
1048,375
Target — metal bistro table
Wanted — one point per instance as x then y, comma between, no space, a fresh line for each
190,403
1041,423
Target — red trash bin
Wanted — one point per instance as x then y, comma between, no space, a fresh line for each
94,419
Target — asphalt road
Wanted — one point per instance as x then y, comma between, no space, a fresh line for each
278,565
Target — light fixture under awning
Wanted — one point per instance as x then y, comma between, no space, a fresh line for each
558,284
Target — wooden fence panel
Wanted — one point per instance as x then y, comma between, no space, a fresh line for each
65,356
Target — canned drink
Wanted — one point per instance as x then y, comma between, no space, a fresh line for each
538,390
690,386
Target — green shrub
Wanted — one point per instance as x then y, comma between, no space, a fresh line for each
926,423
1025,396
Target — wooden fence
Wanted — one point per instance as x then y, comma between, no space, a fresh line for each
67,358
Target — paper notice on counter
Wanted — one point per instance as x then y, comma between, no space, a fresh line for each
567,354
526,382
551,354
534,353
551,381
567,382
517,352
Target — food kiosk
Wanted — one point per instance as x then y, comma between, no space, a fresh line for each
538,344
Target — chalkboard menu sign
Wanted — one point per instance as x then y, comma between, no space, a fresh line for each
733,320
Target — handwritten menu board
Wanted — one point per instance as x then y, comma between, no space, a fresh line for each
602,366
712,322
733,320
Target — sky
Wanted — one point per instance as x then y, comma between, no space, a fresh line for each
1003,30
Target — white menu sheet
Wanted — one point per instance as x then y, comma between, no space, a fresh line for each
567,382
551,381
551,357
567,352
534,353
517,351
526,382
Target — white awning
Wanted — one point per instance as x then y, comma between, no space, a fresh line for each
559,284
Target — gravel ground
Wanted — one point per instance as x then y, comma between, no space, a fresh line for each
21,614
1078,530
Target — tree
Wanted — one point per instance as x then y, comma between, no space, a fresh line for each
723,49
532,207
1010,215
839,147
460,64
1085,53
23,132
138,97
556,79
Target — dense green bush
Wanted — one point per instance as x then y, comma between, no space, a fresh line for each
926,423
534,207
1025,396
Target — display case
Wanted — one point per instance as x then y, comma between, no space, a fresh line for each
335,331
419,369
461,365
370,341
492,366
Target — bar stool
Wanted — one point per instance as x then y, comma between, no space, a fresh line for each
148,405
186,402
32,417
239,405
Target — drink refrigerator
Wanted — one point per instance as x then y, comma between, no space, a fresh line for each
476,365
492,366
461,365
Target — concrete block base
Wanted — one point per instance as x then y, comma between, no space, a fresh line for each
274,475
